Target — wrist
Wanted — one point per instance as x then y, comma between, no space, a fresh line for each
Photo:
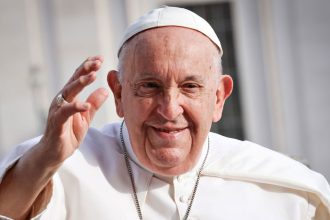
42,159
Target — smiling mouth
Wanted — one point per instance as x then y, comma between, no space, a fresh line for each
169,130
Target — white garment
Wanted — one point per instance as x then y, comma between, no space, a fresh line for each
241,180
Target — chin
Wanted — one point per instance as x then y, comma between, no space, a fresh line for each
167,157
169,162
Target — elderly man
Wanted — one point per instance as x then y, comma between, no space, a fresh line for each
161,162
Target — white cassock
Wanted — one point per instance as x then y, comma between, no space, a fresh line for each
240,180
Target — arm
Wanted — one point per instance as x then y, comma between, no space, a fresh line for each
26,187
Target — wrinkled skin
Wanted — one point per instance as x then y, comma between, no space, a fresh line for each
170,93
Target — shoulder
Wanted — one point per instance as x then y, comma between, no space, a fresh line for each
242,156
247,161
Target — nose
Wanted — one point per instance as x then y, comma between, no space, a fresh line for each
169,104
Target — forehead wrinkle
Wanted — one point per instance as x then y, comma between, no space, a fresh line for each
159,50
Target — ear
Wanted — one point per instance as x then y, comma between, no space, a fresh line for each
116,88
224,90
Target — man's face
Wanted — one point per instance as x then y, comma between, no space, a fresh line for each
170,94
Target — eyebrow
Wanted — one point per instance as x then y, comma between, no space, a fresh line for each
194,78
147,75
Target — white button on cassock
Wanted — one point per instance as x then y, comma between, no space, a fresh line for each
184,199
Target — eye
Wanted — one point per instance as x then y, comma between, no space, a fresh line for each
147,88
149,85
191,87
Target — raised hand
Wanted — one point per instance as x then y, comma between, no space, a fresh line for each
68,123
28,182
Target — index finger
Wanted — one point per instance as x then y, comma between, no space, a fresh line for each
89,65
83,76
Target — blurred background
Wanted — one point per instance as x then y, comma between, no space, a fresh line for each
277,51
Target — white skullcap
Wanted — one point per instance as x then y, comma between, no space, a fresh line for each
171,16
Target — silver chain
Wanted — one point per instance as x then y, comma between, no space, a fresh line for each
130,172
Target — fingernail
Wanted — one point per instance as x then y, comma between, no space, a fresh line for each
85,105
97,63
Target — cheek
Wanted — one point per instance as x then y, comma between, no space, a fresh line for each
202,107
136,112
202,114
137,109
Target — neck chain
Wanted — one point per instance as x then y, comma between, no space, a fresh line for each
130,172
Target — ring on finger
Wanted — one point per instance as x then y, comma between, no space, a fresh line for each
60,100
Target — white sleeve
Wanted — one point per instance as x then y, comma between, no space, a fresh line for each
12,157
56,207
